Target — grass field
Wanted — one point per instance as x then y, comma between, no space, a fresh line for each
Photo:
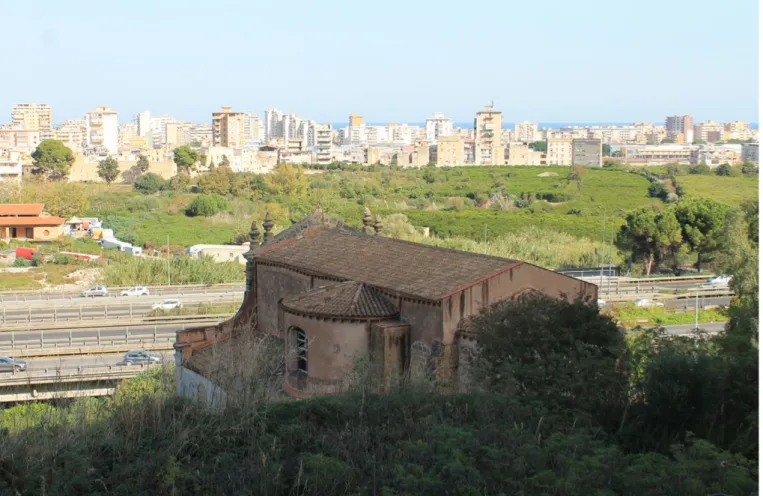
731,190
631,316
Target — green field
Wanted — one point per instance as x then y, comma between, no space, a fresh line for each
731,190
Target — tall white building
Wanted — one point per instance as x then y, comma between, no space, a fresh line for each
144,123
525,131
323,137
103,130
273,123
438,126
158,125
254,130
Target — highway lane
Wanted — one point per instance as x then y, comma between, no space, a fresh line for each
678,303
81,301
688,328
77,295
85,361
90,335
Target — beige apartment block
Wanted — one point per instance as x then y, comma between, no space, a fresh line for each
355,120
450,151
680,124
559,151
33,117
587,152
708,131
228,128
488,127
521,154
736,130
176,135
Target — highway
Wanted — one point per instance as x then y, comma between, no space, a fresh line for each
90,335
83,361
175,292
101,308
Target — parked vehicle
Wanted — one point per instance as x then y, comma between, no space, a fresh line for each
138,357
601,302
647,303
167,305
136,291
96,291
8,364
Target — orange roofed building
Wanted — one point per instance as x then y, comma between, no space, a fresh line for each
28,222
333,294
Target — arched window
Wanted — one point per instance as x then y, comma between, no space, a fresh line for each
299,344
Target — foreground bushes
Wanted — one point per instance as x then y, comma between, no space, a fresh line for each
127,270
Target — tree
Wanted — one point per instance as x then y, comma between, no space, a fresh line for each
700,169
723,170
143,163
668,140
749,168
701,222
563,354
224,162
658,190
285,179
52,159
216,181
185,158
179,182
650,235
538,146
108,169
66,199
606,150
700,142
149,183
207,205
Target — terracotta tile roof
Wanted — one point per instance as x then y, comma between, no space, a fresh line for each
31,221
14,209
345,299
403,267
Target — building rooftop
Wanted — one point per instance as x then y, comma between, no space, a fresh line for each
17,209
347,299
399,267
31,221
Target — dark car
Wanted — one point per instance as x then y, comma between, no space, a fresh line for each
139,357
8,364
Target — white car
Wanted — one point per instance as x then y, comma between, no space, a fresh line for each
647,303
167,305
601,302
96,291
136,291
722,281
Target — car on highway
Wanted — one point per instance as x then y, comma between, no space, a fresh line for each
136,291
647,303
167,305
601,302
719,281
96,291
8,364
136,357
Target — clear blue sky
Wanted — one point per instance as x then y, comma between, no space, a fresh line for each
390,60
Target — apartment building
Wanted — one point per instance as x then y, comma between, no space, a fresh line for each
587,152
488,126
73,134
450,151
750,152
414,155
657,154
708,131
33,117
324,142
103,130
273,123
736,130
254,129
676,125
11,169
201,134
525,132
559,151
175,134
228,128
127,132
436,126
144,123
355,120
713,156
518,153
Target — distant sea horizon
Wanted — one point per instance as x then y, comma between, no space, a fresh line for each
510,125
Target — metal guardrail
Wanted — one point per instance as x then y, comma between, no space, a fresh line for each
165,344
665,296
160,287
75,374
147,321
52,344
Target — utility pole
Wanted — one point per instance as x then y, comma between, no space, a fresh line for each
603,235
611,246
696,312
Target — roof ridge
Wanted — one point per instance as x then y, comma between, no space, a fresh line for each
356,297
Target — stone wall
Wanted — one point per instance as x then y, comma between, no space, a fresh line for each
87,171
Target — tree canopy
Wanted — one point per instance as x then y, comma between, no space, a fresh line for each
108,169
285,179
185,158
143,163
52,159
650,235
702,220
538,146
149,183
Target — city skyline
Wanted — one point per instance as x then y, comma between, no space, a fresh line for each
562,64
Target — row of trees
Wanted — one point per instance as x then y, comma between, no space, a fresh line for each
658,236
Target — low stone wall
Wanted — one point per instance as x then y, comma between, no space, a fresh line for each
87,171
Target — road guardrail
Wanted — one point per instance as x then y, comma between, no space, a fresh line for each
114,291
34,348
92,324
75,374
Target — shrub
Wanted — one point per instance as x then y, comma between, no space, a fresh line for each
63,259
21,262
658,190
700,170
723,170
207,205
149,183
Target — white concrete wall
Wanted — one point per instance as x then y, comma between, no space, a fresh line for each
194,386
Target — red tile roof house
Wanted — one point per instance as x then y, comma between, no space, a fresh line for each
27,221
332,294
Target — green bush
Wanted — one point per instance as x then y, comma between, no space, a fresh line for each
21,262
62,259
149,183
207,205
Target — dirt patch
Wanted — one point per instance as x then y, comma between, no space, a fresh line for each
76,280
